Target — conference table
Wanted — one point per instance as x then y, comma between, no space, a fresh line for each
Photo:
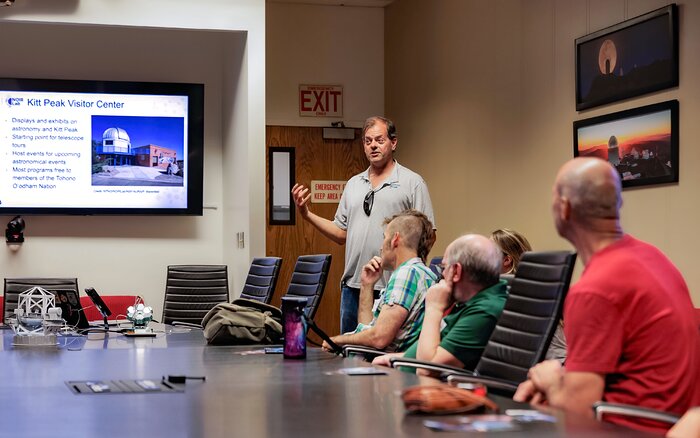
245,393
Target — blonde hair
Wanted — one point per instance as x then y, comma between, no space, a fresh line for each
512,244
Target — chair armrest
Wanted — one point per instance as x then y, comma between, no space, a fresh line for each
602,408
500,386
368,353
444,370
187,324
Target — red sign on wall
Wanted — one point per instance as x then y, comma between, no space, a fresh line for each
321,100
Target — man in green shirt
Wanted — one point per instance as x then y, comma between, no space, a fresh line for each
462,309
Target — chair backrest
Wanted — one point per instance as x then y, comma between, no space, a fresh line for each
192,290
435,265
15,286
117,304
309,280
530,316
262,279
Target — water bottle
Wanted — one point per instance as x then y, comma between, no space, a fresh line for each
294,327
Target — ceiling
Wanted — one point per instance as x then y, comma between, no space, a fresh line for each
364,3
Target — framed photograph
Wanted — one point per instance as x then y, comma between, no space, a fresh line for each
631,58
641,143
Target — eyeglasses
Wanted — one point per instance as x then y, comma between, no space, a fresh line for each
368,202
380,140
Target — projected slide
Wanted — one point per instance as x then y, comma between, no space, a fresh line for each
89,150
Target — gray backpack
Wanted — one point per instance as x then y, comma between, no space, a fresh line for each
243,322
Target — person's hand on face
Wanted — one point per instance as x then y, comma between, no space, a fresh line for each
440,296
372,271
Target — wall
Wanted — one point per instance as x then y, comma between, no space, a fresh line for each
160,40
493,85
335,45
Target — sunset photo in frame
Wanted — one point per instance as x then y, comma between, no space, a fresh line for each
632,58
641,143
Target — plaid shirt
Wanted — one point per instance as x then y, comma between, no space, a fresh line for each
406,287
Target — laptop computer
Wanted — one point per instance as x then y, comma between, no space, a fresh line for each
71,309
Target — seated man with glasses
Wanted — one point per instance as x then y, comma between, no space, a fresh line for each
384,189
462,309
395,321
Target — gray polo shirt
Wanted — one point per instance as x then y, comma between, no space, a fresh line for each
402,190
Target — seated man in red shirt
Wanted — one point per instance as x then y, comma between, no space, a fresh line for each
629,323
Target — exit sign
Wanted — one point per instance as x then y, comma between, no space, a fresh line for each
321,100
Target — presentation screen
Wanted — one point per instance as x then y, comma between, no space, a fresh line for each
98,147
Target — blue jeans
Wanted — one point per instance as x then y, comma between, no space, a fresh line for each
349,301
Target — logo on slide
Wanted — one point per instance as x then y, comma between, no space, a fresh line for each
14,101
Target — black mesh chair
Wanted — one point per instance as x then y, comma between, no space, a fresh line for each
15,286
309,280
435,265
524,330
262,279
192,290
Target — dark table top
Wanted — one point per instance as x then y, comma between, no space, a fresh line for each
248,395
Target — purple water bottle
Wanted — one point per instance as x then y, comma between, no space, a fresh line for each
294,327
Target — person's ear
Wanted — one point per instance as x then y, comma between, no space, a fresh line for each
456,273
507,264
395,240
393,143
564,209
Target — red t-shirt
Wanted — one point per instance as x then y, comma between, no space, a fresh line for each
631,319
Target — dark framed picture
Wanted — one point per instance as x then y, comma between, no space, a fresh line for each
641,143
631,58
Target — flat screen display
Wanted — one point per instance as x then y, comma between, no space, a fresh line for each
98,147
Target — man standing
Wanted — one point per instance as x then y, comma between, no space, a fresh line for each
462,309
396,321
629,324
381,191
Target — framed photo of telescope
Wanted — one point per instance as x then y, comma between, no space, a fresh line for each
632,58
641,143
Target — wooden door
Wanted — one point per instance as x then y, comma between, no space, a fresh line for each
316,159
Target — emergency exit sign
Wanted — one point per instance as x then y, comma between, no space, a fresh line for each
326,192
321,100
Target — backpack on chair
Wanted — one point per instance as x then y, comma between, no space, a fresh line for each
241,322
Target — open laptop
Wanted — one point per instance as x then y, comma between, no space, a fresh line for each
71,309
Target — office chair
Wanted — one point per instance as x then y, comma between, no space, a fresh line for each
262,279
117,304
524,330
600,409
15,286
192,290
435,265
309,280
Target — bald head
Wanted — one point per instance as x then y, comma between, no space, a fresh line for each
479,256
592,187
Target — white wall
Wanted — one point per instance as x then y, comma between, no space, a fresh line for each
334,45
218,43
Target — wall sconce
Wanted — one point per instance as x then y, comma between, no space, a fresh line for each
14,232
